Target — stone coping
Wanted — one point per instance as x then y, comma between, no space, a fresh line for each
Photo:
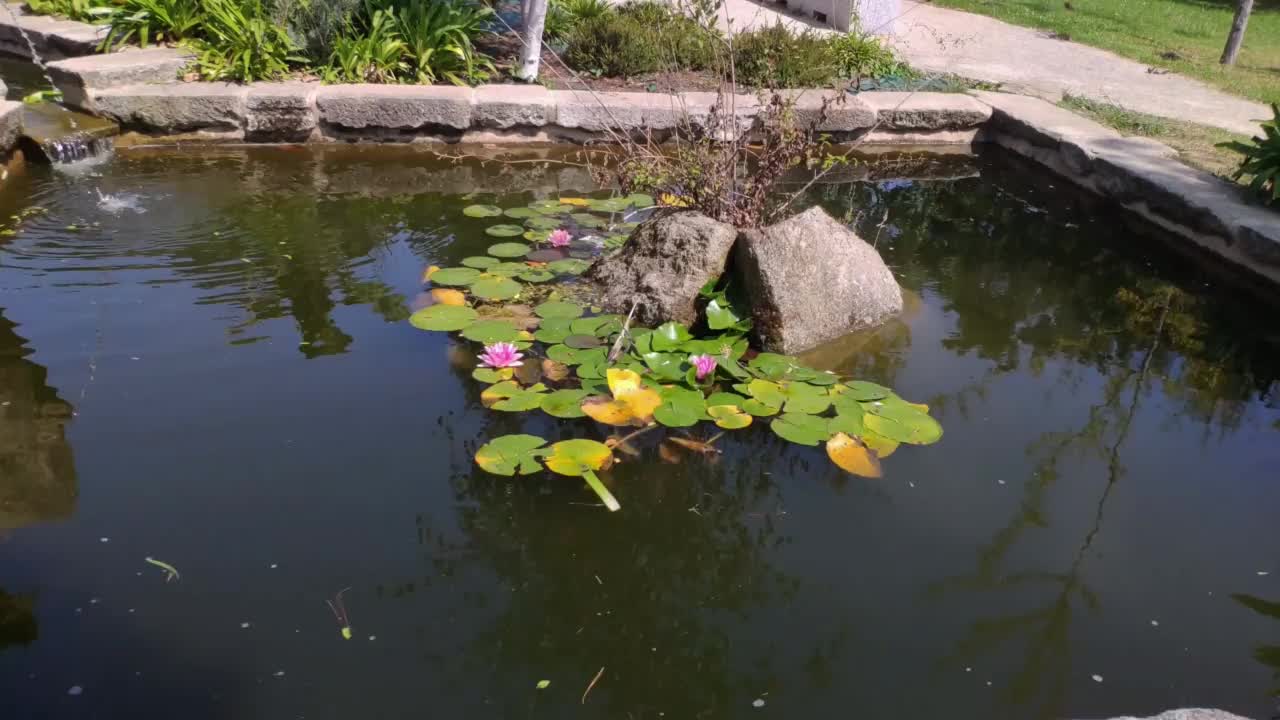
139,90
54,38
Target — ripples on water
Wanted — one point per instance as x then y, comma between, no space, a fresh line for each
204,359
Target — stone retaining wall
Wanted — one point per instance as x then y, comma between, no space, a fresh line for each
53,38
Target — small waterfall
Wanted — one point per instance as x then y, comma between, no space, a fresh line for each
54,134
76,147
31,46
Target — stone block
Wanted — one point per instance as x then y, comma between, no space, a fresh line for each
395,107
10,124
78,78
925,111
506,106
280,112
53,38
845,112
622,111
174,108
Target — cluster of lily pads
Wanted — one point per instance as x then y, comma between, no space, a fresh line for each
569,363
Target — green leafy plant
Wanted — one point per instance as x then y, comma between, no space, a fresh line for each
153,21
375,54
860,57
316,25
641,37
440,40
93,11
1261,162
241,42
776,57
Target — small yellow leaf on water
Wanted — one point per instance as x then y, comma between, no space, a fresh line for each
448,296
622,382
346,633
604,410
544,684
580,202
426,274
853,456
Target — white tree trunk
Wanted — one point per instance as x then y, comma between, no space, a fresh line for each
532,22
1236,37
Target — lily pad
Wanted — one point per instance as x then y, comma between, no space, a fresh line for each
550,207
772,366
903,422
582,342
482,211
535,275
536,235
553,330
766,392
587,220
863,391
729,417
509,250
667,366
847,421
670,336
569,266
495,287
546,255
802,397
504,230
759,409
564,403
507,269
479,261
680,408
598,325
725,398
800,428
490,331
609,205
508,396
558,309
511,454
542,222
520,212
852,455
565,354
455,276
491,375
445,318
641,200
574,457
721,316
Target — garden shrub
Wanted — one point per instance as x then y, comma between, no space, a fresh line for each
241,42
778,58
640,37
158,21
859,57
401,40
1261,162
316,25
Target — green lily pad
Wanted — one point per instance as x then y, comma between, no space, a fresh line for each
534,275
565,403
772,366
582,342
479,261
601,326
863,391
609,205
495,287
536,235
725,398
520,212
507,269
445,318
545,255
490,331
680,408
802,397
490,375
482,211
564,354
759,409
569,266
542,222
729,417
670,336
509,250
668,366
550,207
509,454
553,330
587,220
455,276
574,457
847,421
508,396
768,393
721,316
898,420
800,428
504,230
558,309
641,200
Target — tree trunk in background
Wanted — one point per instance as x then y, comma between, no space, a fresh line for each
534,17
1236,37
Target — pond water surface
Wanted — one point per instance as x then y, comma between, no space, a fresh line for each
205,359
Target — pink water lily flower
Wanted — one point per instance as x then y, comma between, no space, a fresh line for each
703,365
559,238
501,355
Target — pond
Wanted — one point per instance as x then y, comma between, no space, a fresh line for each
205,360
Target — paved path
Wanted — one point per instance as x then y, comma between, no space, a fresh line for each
1028,61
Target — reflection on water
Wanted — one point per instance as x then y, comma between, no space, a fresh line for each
251,407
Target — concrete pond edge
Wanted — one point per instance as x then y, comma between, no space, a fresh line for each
138,88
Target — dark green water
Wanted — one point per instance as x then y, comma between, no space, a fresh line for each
214,370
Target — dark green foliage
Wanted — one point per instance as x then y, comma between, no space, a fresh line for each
565,15
153,21
859,56
241,42
398,40
316,25
640,37
1261,161
775,57
81,10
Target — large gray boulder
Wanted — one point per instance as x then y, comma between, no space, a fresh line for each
663,266
810,279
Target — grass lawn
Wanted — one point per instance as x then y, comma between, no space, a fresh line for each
1186,36
1194,143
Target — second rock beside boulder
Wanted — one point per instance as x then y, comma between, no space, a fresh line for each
663,266
810,279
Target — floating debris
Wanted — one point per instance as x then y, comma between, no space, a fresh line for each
244,625
592,684
171,572
75,690
758,702
340,613
105,539
543,684
1097,678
